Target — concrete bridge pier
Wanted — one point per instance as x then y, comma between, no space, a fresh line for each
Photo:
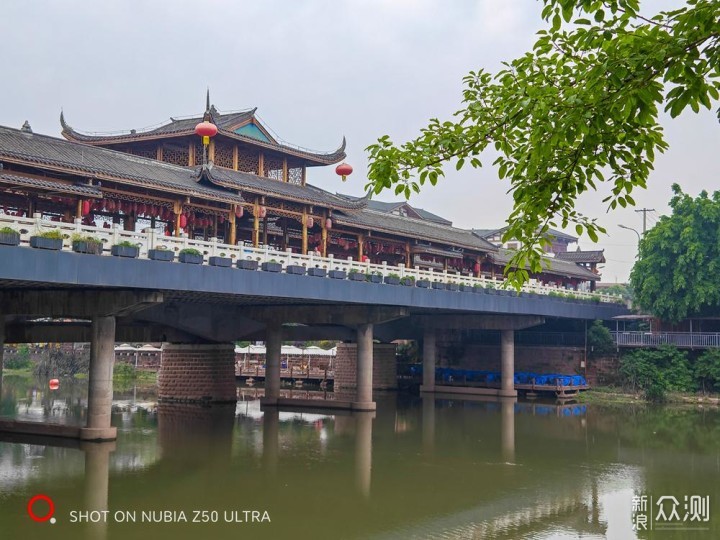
429,360
507,364
364,399
100,381
2,349
271,440
507,428
428,423
97,481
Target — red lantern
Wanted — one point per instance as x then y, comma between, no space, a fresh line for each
85,207
206,129
239,211
328,224
344,170
183,221
262,212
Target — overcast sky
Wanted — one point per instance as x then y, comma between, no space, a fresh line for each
316,70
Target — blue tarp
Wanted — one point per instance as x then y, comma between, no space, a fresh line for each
521,377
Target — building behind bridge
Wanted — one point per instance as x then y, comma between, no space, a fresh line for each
246,187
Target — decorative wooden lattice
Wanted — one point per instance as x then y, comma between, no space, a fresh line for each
198,153
144,152
274,168
223,155
177,155
248,162
295,175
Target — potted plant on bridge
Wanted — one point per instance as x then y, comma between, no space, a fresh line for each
86,244
161,253
439,285
374,277
408,281
9,237
295,269
191,256
423,283
247,264
317,272
392,279
356,275
478,288
337,274
467,288
271,266
125,249
47,240
220,260
451,286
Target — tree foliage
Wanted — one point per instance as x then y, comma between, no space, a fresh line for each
707,370
600,340
656,371
578,110
679,259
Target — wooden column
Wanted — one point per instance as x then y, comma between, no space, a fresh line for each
304,175
304,247
211,151
408,259
191,154
256,224
233,228
265,228
159,153
177,210
324,237
361,245
235,157
445,264
261,164
78,212
285,170
479,263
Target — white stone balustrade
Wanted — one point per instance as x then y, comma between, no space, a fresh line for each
151,239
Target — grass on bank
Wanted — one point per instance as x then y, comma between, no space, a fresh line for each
612,394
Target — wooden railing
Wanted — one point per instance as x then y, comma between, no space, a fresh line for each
686,340
150,239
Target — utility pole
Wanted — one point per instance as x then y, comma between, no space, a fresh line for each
644,213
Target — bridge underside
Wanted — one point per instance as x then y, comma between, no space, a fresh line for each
67,297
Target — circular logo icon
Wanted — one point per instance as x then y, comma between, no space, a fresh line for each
46,517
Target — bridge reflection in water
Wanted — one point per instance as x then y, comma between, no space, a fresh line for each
421,468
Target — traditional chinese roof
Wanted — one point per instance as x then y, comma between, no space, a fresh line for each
242,126
552,233
40,183
550,265
420,229
100,163
397,206
582,256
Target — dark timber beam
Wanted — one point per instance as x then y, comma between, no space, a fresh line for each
333,315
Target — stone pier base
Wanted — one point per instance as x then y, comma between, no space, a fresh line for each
384,376
197,373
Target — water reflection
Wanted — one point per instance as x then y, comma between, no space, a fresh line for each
422,468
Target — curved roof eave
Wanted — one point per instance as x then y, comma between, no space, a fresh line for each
329,158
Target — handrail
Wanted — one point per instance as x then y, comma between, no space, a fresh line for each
699,340
150,239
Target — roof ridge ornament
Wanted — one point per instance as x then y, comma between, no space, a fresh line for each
26,127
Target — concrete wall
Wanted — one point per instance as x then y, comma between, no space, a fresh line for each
191,373
384,366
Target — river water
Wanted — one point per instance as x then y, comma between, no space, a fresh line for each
417,468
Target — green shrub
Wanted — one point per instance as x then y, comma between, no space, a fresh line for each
190,251
657,371
707,370
21,359
600,340
126,243
123,370
8,230
55,233
76,237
